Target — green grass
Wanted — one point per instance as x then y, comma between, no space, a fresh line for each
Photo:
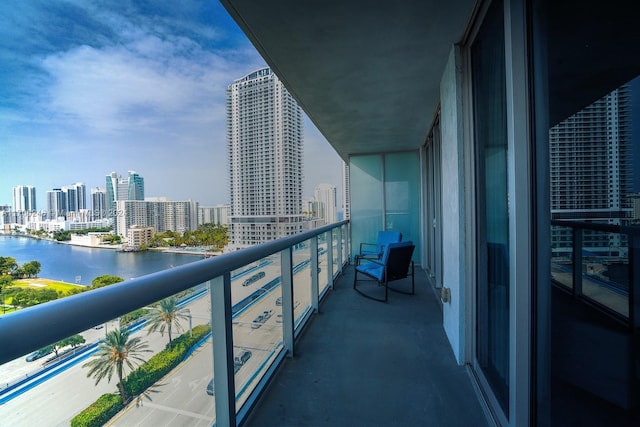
38,283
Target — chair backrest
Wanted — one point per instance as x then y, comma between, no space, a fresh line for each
387,237
397,257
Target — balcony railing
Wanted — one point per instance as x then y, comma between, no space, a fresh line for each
599,264
254,320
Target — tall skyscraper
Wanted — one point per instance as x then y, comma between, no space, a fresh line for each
264,143
99,203
117,189
346,197
24,198
76,197
56,203
591,169
326,195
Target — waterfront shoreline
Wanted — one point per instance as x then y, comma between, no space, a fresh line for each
182,251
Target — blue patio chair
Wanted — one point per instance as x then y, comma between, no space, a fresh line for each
395,264
375,250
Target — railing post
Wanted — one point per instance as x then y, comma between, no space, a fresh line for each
577,262
315,289
339,246
286,272
330,257
222,339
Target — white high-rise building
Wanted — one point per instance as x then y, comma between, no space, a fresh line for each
24,198
326,195
213,214
346,197
264,141
162,215
591,171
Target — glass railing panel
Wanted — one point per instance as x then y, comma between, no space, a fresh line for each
605,267
343,242
58,378
301,282
335,234
257,329
323,273
562,255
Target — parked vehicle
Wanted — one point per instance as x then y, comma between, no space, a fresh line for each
254,278
38,354
211,390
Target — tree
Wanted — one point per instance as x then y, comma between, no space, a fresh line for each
105,280
5,282
165,315
73,341
115,353
31,268
8,265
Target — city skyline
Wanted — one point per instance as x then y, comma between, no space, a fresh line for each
97,88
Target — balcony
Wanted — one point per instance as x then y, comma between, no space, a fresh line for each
358,362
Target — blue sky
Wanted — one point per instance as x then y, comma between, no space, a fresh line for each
88,88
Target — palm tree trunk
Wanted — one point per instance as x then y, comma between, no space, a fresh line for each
123,395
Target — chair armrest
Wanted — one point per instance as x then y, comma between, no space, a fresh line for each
374,261
367,244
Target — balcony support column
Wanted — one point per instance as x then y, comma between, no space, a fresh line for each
222,338
286,272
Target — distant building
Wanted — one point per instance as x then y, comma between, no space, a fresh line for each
346,197
99,202
591,171
264,145
177,216
56,203
138,235
214,214
76,197
118,188
325,194
24,198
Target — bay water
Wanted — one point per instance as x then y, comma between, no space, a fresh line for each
78,264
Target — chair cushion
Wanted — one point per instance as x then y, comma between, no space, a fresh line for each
372,269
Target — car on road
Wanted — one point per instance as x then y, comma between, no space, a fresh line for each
242,356
38,354
211,389
279,301
257,322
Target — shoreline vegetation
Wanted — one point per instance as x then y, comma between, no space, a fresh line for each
188,250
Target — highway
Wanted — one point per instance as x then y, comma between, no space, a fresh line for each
181,398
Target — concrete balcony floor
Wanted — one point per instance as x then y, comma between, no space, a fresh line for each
362,362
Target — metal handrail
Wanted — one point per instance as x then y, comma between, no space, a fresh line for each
609,228
27,330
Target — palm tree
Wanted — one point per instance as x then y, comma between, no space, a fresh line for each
116,352
165,315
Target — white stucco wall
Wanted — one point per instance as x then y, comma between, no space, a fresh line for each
453,230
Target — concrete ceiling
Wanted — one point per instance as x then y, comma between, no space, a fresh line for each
366,73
